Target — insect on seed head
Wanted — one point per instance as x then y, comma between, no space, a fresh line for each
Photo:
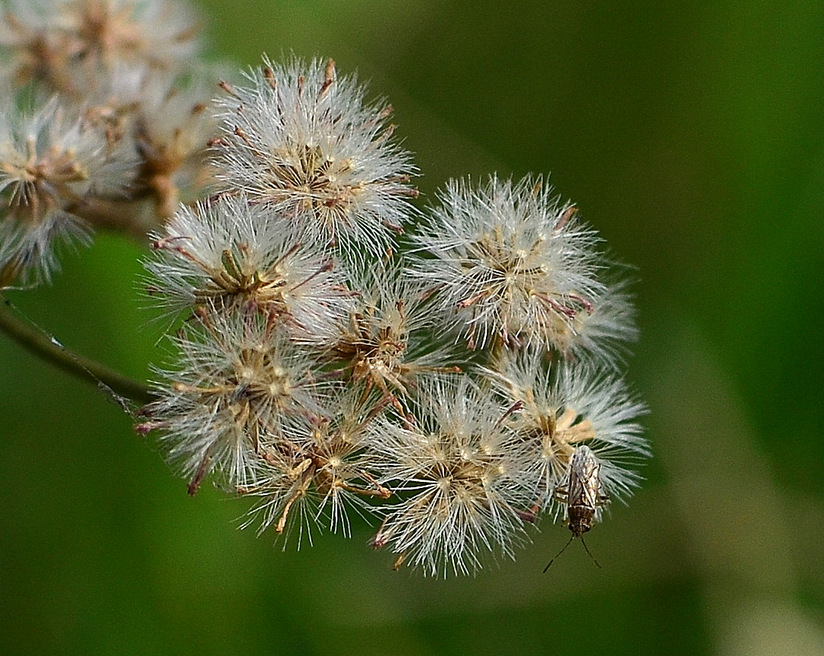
582,495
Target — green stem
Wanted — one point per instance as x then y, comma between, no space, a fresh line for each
37,342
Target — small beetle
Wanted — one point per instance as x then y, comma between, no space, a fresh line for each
582,496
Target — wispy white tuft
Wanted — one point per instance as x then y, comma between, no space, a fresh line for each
66,46
317,466
237,381
514,266
302,139
167,119
455,469
386,341
232,253
565,405
49,167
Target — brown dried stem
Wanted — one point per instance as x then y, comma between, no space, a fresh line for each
42,345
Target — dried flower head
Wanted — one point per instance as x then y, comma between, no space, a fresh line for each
564,406
229,253
237,381
168,121
49,169
158,32
302,139
515,266
68,46
32,49
310,370
386,343
318,466
456,469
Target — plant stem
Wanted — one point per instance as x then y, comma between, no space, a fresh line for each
37,342
129,217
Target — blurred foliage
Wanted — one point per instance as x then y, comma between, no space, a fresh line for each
690,135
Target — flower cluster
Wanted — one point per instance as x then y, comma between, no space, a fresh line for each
455,385
301,140
120,130
323,370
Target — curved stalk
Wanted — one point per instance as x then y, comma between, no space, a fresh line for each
35,341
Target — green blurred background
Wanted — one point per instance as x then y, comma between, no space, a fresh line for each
690,134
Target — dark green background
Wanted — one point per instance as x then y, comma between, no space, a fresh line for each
690,134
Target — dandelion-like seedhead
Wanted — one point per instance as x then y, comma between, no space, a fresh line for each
302,139
386,341
237,381
160,33
319,468
564,405
168,118
457,470
458,464
49,166
515,266
323,366
603,335
122,130
66,46
230,253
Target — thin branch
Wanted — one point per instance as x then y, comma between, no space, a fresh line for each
36,341
130,217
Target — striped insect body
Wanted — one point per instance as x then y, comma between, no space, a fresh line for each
582,495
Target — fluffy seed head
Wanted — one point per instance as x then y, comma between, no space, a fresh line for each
604,334
301,138
167,120
564,406
318,469
49,167
514,265
229,253
456,470
158,32
224,405
382,343
67,45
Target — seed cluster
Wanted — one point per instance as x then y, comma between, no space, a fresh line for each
119,133
440,385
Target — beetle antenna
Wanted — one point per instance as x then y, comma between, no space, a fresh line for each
571,537
589,552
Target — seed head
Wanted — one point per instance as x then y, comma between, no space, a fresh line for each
224,405
318,468
230,253
603,335
302,139
514,266
49,167
68,46
159,32
456,470
167,120
386,342
563,406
